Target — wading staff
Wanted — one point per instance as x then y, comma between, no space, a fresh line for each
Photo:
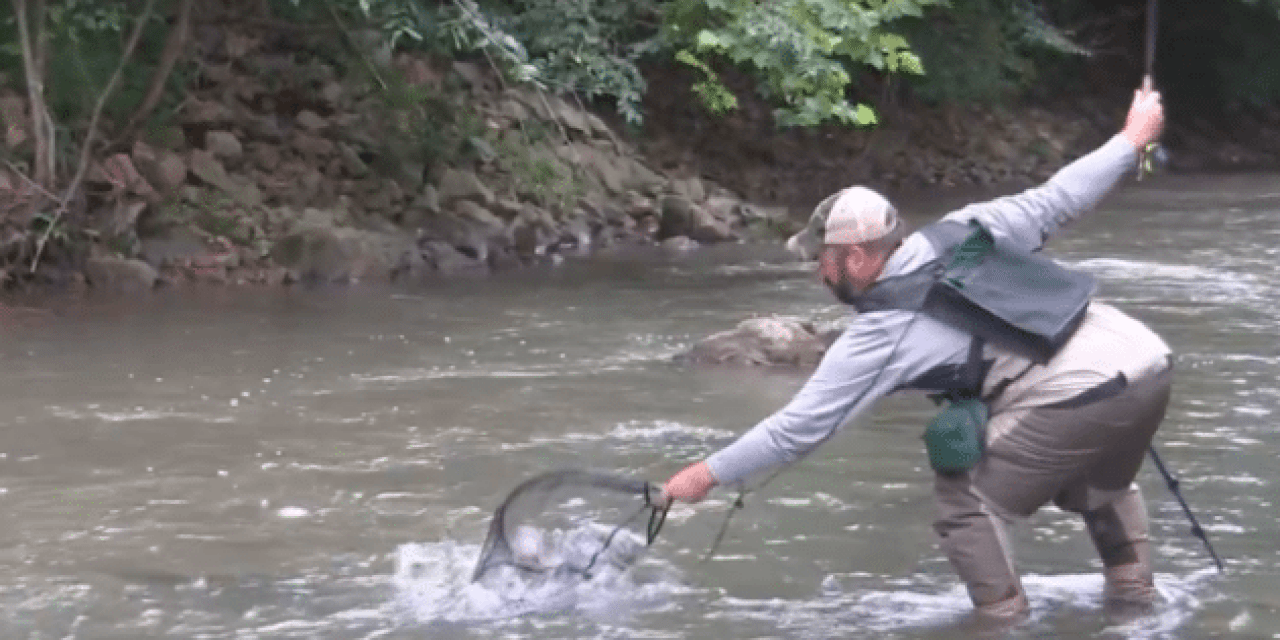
1196,529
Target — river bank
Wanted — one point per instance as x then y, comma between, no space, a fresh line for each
278,170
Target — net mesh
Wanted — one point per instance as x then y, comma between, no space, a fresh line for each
571,522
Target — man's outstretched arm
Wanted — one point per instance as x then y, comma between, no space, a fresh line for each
1033,216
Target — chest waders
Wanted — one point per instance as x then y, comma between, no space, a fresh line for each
1020,301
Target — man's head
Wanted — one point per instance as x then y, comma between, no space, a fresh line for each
852,234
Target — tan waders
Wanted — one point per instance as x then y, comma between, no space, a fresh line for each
1083,454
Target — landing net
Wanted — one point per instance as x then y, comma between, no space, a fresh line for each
571,523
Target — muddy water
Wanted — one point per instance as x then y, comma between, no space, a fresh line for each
324,464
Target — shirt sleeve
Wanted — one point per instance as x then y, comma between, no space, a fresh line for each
1032,217
854,373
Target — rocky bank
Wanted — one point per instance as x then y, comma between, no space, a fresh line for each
278,168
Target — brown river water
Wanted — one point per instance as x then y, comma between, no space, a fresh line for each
324,464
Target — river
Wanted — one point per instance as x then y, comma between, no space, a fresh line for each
323,464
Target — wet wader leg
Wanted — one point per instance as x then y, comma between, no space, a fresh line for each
1120,533
976,542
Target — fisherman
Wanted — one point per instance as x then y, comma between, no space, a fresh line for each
1071,426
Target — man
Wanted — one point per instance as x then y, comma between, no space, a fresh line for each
1073,429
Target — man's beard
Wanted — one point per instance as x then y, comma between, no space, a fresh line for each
844,290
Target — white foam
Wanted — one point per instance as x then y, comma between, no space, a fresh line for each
432,583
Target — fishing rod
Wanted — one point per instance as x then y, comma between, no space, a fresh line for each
1154,154
1196,529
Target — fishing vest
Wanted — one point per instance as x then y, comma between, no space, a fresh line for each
991,289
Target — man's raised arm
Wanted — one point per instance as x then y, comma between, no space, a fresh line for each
1033,216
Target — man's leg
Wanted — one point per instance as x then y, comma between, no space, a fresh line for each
1120,533
1084,458
977,544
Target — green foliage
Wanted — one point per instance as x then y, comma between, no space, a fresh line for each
802,52
426,125
985,50
535,171
86,41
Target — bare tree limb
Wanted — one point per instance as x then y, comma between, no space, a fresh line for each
35,92
173,47
86,149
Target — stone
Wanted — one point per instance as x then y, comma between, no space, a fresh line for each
119,171
774,341
458,185
571,117
690,188
264,128
637,206
206,112
312,146
206,167
172,246
341,255
266,156
679,243
611,176
351,161
475,213
447,260
471,73
170,173
641,178
332,93
677,216
310,121
120,275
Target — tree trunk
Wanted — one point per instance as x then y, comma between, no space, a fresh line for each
33,38
174,45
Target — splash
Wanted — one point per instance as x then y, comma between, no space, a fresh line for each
433,582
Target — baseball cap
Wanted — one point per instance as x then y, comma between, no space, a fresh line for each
849,216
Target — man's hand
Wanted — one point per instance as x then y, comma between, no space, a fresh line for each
1146,119
691,484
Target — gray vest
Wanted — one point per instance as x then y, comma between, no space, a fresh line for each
999,293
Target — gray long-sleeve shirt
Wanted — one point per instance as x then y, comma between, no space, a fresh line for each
885,351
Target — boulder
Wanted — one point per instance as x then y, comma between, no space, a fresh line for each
706,229
206,112
774,341
173,246
239,188
463,185
119,275
447,260
339,255
311,146
310,121
675,216
690,188
641,178
352,162
223,144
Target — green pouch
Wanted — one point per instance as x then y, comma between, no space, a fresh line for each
957,436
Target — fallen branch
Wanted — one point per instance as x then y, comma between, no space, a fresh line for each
87,148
